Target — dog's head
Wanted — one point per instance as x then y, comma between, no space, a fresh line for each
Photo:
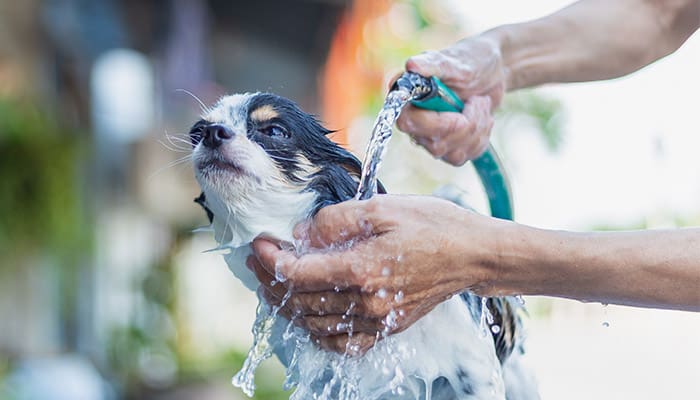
263,165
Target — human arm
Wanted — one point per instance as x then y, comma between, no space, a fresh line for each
428,249
588,40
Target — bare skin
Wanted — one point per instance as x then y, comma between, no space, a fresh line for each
589,40
433,249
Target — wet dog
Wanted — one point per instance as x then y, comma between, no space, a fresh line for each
263,166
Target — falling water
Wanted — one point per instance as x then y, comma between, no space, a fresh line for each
261,349
381,133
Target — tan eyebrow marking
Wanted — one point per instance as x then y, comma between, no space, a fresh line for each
264,113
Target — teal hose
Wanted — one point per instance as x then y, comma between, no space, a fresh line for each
488,166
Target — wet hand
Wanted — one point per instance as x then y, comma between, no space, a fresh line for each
473,69
384,263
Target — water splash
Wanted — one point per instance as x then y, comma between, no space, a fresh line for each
261,350
486,318
381,133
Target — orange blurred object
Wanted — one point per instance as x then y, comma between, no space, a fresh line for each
346,84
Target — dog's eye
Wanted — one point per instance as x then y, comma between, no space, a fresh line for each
274,131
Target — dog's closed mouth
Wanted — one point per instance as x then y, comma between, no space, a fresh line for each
218,164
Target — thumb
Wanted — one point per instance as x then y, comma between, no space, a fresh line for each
338,223
428,63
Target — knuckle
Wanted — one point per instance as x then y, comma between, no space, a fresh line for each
456,123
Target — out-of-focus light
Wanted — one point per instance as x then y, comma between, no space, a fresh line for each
122,91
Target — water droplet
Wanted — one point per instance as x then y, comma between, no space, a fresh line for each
398,297
323,299
386,271
273,282
381,293
279,276
495,329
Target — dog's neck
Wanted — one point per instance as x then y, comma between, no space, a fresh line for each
238,221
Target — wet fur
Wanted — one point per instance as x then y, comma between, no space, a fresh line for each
310,167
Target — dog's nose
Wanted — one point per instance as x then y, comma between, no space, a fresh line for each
215,134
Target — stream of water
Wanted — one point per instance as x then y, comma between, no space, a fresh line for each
381,133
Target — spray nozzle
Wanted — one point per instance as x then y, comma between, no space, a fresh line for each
417,85
428,93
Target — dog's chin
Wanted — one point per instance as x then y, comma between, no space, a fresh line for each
219,167
225,177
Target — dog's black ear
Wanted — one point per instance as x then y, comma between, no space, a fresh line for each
201,200
380,188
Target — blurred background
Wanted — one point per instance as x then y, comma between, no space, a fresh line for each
105,292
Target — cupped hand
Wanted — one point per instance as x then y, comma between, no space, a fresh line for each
374,267
474,70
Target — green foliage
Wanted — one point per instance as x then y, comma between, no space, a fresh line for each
39,184
544,113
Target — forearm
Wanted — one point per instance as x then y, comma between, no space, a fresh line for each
651,268
593,40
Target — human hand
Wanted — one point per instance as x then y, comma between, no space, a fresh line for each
385,263
474,70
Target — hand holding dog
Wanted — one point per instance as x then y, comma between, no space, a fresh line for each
406,255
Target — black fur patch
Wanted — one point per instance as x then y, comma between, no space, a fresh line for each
196,132
306,137
202,201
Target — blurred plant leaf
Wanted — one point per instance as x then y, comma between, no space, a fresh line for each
543,112
40,186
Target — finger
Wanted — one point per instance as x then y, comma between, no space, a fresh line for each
270,256
264,277
457,157
431,124
272,300
429,63
315,272
339,223
355,345
331,325
436,147
325,303
311,272
478,111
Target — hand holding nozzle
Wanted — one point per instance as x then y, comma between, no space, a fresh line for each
451,129
473,70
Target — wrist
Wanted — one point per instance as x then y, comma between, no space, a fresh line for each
525,261
500,39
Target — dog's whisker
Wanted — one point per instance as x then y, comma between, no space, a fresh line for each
174,148
203,107
174,163
185,139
